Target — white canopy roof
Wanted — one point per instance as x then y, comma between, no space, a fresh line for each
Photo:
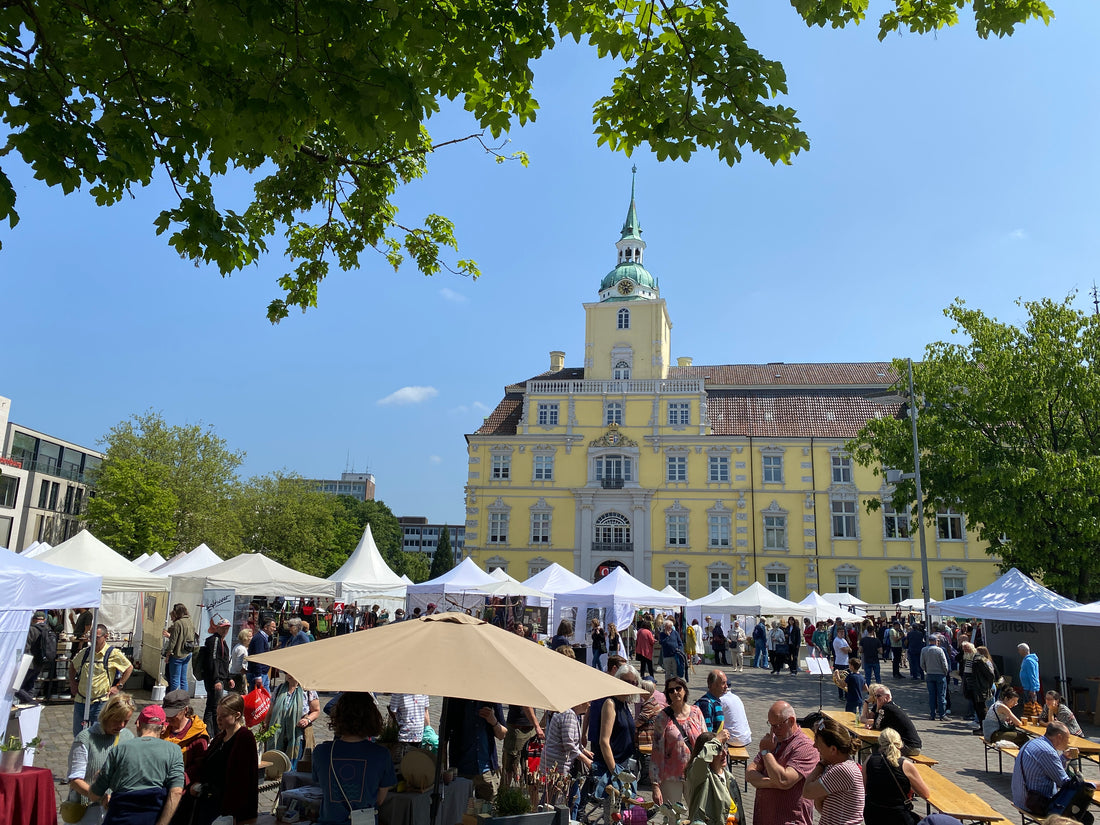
202,556
465,575
150,562
256,574
32,584
87,553
1086,614
757,600
825,610
1014,597
669,590
366,575
843,599
914,604
620,594
556,579
511,587
697,607
36,550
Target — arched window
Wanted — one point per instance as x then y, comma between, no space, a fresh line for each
622,370
612,528
624,318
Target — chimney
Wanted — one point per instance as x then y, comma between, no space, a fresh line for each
683,361
557,360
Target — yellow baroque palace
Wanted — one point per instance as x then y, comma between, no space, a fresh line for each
697,476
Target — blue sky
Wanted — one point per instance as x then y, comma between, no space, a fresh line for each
940,166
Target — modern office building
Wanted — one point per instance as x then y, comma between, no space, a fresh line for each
44,484
356,485
417,536
697,476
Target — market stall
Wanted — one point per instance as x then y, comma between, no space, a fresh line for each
366,579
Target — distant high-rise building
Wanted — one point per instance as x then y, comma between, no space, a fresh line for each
356,485
44,484
417,536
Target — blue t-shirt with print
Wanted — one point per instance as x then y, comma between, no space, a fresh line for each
358,770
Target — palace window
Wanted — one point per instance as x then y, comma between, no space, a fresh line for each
676,574
775,532
848,583
679,413
613,468
773,469
624,318
901,587
895,524
954,585
498,528
613,413
548,413
844,518
718,530
719,575
777,582
677,468
621,370
842,469
540,527
949,524
544,467
718,468
677,529
612,528
501,466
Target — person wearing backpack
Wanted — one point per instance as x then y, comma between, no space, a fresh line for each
110,670
42,645
182,643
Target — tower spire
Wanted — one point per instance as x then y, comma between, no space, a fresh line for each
631,227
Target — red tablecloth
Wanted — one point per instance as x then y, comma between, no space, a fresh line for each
28,798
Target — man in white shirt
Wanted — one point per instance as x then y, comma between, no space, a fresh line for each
736,720
410,711
840,654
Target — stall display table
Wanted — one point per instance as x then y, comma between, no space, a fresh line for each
415,808
27,798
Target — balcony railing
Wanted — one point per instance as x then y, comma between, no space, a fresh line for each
647,386
613,548
612,483
47,466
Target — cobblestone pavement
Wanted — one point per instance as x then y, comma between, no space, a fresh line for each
959,752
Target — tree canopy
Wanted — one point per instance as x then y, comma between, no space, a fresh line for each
1009,431
325,105
443,559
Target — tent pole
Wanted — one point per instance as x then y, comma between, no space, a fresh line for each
90,659
437,797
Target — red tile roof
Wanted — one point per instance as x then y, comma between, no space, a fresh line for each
792,415
871,373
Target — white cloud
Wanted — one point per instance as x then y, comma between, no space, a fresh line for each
452,296
475,407
434,459
409,395
1018,235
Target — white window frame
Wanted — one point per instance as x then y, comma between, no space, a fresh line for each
623,317
542,466
625,462
842,469
771,468
718,468
540,526
949,521
847,580
777,580
498,527
719,574
676,574
895,523
613,413
844,522
775,531
956,576
500,466
679,413
899,584
719,529
676,468
547,413
621,371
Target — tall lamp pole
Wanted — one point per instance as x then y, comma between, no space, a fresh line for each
893,476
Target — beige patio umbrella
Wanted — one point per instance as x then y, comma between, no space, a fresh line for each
446,654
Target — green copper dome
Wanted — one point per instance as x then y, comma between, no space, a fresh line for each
635,272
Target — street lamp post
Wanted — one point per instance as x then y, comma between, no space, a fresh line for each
893,476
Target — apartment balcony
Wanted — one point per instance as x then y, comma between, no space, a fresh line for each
612,483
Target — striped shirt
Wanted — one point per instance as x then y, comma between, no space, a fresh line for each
408,709
563,741
1039,767
713,714
844,804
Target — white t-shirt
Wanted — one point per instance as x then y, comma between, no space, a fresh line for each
840,644
736,720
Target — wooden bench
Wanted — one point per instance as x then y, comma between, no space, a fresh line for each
948,798
1002,747
1027,817
923,759
739,755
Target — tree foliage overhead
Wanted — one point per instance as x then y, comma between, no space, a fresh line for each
152,470
1009,431
325,104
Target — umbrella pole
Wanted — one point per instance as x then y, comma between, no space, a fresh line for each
436,795
90,658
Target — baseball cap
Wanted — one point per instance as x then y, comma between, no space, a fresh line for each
176,701
39,615
152,715
431,605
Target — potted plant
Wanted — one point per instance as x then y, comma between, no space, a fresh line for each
12,752
512,806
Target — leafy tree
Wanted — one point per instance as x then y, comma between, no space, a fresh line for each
443,559
193,471
326,104
134,511
416,567
1009,431
285,518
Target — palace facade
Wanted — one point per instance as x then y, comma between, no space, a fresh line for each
697,476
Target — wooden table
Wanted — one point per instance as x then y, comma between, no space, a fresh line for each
948,798
868,737
1086,748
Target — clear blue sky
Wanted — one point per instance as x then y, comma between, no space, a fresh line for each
940,167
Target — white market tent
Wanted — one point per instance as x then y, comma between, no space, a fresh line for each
36,550
696,608
556,580
843,599
915,604
249,574
365,577
827,611
455,589
151,562
757,600
29,585
123,581
202,556
669,590
1087,615
618,593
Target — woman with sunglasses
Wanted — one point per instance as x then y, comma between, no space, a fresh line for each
675,730
836,784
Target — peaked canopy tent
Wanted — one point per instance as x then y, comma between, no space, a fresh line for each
1012,604
29,585
555,580
844,599
151,563
696,608
457,588
757,600
123,581
249,574
365,577
202,556
36,550
827,611
619,594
